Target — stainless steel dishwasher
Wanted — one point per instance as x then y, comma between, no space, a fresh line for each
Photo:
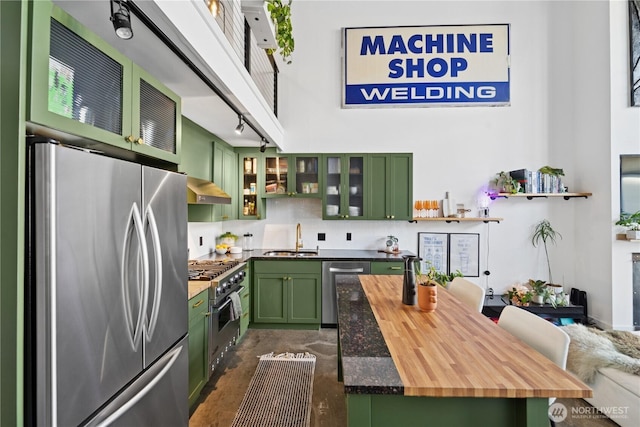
331,270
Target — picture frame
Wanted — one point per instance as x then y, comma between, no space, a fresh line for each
433,249
464,253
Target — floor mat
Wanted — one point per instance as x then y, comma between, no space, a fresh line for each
279,393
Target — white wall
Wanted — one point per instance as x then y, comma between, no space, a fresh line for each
563,113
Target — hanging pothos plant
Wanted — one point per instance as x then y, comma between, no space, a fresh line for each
281,16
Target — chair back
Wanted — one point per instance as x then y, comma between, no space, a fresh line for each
467,292
538,333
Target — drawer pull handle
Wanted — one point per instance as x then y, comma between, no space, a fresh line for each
207,314
395,268
245,315
199,303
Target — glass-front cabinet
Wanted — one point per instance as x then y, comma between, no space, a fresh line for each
307,175
251,185
276,175
80,85
344,192
292,175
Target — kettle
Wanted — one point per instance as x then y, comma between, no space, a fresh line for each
409,282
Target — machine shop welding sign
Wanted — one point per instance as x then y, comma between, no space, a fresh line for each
425,66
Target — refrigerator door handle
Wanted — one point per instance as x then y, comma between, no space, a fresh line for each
143,291
143,385
157,251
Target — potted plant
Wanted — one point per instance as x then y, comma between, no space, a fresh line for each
543,233
440,278
228,238
539,288
503,183
632,223
427,289
520,295
281,16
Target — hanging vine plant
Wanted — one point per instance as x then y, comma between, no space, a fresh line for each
281,16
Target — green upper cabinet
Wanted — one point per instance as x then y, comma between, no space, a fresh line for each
225,175
344,187
197,162
390,186
80,85
292,175
251,184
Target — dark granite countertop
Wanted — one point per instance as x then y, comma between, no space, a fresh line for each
323,255
367,365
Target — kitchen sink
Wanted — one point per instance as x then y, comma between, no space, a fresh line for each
290,253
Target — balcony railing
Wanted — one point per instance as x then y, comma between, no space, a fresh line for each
261,66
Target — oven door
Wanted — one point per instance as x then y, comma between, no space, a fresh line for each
223,332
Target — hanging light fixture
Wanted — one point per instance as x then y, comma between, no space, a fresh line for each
121,19
263,144
240,126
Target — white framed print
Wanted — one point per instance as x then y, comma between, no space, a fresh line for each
464,253
433,250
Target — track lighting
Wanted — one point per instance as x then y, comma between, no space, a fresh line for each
240,126
121,19
263,145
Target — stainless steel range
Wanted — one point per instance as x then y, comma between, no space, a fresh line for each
225,278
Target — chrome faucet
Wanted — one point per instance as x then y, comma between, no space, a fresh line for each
298,237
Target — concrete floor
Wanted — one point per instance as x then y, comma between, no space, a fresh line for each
221,397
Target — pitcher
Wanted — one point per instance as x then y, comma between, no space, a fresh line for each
409,283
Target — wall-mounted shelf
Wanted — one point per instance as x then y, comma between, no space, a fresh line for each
442,219
530,196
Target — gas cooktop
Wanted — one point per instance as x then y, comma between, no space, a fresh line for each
209,269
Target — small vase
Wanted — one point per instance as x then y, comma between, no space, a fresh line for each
427,297
633,234
538,299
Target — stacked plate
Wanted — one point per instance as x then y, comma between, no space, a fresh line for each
332,210
354,211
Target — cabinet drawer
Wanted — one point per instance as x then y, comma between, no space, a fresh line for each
198,304
385,267
244,299
288,267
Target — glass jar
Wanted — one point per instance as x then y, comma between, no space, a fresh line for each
247,242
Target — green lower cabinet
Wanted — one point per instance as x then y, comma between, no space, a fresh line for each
245,301
387,267
198,344
287,293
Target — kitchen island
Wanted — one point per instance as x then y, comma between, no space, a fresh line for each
401,366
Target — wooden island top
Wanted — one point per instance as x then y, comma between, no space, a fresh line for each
456,351
452,352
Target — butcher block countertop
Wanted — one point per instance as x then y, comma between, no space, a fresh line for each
197,286
452,352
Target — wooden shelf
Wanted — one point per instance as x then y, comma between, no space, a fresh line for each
442,219
530,196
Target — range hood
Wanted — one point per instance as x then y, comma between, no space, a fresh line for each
203,192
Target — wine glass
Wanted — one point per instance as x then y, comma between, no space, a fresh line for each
423,212
418,207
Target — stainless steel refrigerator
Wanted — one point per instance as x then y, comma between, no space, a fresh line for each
106,292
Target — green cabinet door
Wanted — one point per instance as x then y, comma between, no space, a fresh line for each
270,298
197,161
387,267
251,204
287,292
245,301
390,186
85,91
305,298
291,175
225,175
198,344
343,186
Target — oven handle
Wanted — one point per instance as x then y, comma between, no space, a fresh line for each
240,289
219,309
